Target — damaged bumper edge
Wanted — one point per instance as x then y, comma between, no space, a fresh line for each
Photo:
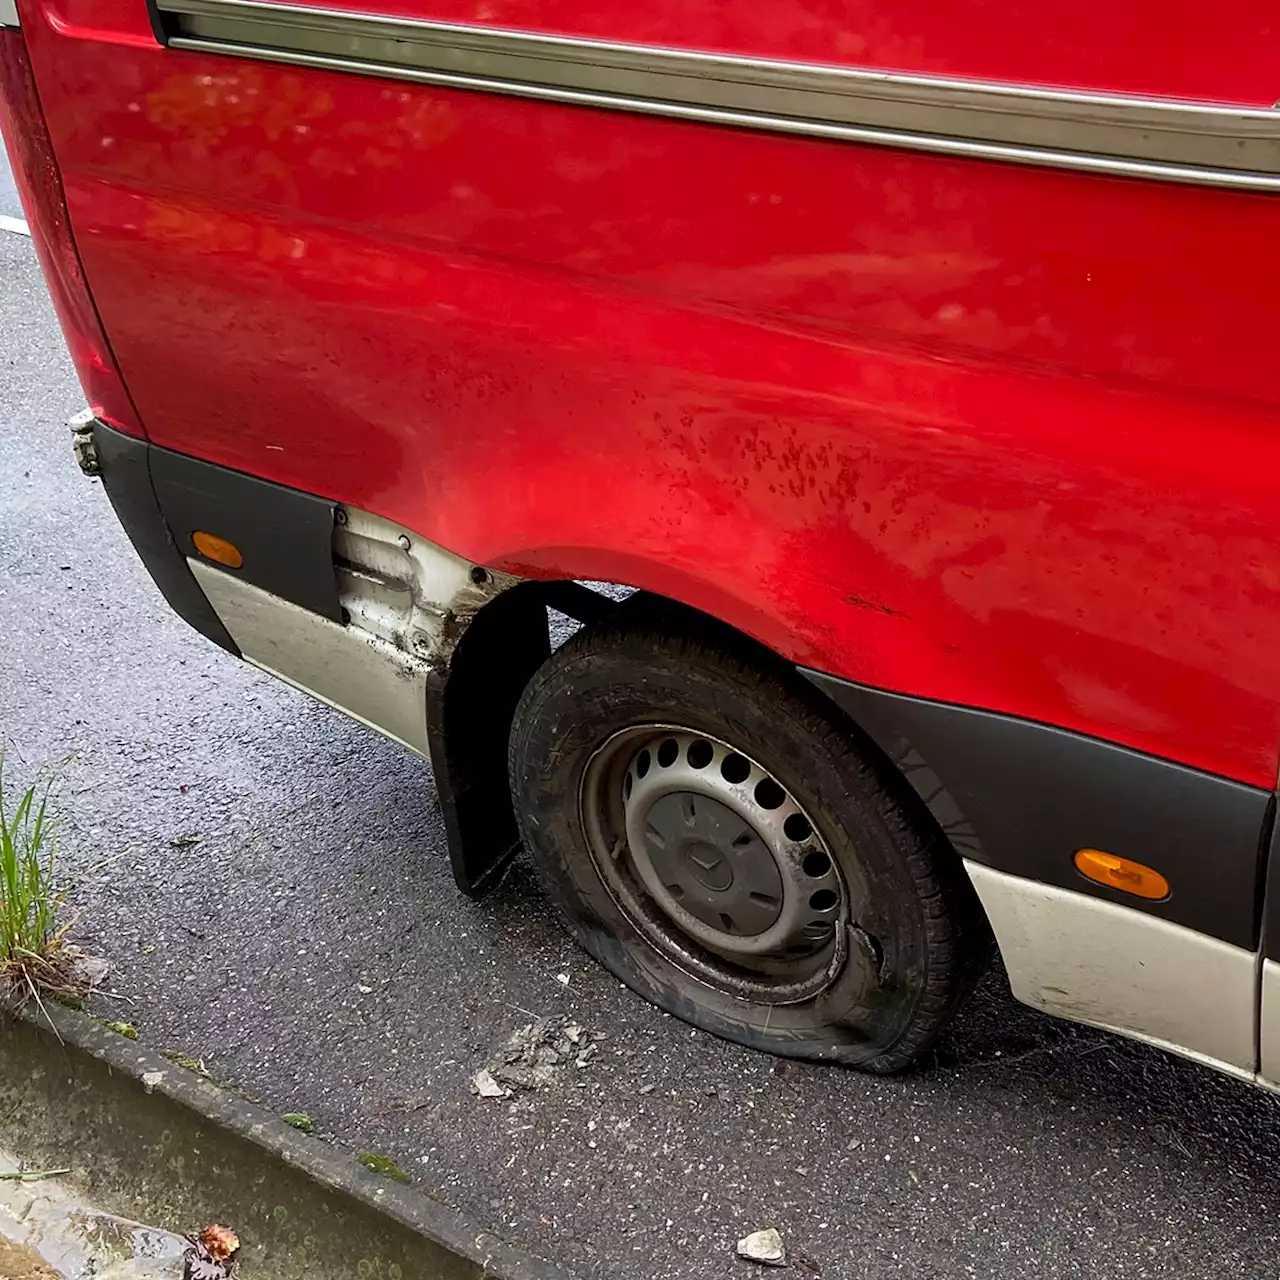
353,609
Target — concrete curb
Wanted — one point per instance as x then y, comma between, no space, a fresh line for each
179,1151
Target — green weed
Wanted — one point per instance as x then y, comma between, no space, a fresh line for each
33,957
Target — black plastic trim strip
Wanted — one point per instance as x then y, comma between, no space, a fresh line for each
126,476
1023,797
1271,897
285,535
157,23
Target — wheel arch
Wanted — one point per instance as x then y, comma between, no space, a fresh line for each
473,700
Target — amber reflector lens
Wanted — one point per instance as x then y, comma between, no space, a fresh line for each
1121,873
219,549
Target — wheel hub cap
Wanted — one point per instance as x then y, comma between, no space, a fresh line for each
724,853
713,862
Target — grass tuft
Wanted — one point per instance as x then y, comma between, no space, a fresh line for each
34,960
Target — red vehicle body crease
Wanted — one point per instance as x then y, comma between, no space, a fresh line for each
933,425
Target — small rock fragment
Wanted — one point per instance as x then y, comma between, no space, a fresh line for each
562,979
89,971
486,1086
763,1246
150,1079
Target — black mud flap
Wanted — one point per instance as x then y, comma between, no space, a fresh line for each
469,712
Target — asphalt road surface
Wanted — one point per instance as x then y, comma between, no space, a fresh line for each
269,880
10,205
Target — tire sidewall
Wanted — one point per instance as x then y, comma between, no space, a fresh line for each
593,695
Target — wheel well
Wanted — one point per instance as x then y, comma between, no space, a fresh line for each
472,703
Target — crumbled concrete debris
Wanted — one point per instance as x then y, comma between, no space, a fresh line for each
486,1086
534,1054
763,1246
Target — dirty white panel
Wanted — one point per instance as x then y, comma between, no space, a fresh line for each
350,668
1270,1029
1078,957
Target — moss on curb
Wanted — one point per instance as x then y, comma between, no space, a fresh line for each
184,1060
383,1165
300,1121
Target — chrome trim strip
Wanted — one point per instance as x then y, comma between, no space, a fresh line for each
9,14
1164,139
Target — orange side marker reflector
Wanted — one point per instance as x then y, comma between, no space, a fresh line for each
1121,873
219,549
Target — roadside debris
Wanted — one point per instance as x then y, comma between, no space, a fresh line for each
212,1254
765,1247
483,1084
533,1055
90,971
32,1175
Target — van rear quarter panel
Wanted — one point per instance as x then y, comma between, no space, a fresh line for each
979,432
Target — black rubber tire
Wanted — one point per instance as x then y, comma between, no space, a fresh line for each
921,939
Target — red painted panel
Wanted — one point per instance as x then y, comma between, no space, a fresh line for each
979,432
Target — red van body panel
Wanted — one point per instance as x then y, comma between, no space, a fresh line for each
931,424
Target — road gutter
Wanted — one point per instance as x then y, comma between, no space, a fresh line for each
164,1145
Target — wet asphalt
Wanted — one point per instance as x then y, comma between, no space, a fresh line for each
10,205
269,882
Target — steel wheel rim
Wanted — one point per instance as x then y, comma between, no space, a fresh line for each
739,889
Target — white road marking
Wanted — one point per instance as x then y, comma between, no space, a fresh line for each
14,224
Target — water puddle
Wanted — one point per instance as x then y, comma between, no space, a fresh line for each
50,1232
